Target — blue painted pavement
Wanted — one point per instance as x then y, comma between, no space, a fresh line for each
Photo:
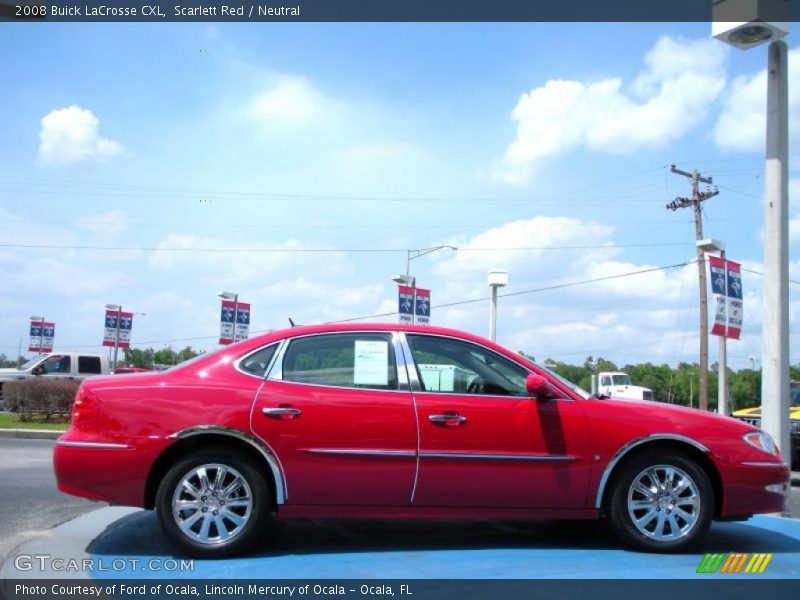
346,549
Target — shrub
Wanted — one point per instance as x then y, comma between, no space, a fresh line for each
50,399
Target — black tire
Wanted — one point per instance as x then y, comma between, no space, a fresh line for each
254,513
663,527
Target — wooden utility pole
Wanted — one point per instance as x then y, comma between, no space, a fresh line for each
694,202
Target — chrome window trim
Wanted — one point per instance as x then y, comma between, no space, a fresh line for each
100,445
458,339
400,363
281,493
489,456
630,446
276,374
238,361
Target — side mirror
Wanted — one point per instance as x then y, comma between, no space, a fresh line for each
538,387
38,370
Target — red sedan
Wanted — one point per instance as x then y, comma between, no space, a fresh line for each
402,421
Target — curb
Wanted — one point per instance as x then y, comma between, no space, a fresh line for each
30,434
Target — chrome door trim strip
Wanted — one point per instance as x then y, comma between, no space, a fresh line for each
630,446
103,445
413,383
764,463
257,443
489,456
359,452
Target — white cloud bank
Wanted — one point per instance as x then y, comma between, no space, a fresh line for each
70,135
742,125
681,80
291,99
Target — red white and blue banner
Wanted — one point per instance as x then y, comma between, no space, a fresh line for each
422,309
234,322
726,285
41,336
118,328
405,303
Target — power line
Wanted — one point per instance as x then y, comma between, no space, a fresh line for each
531,291
445,305
323,250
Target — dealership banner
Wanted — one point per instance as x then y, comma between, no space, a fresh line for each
121,322
422,308
234,322
726,285
405,303
41,336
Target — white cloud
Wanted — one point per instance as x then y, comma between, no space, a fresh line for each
108,224
742,125
290,100
70,135
681,80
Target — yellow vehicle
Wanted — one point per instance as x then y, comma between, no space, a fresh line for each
753,416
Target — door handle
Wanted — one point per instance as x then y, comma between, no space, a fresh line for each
282,412
448,419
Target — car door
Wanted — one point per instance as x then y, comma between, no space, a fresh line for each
483,441
338,413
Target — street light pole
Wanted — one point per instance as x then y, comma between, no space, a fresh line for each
711,245
775,333
497,279
408,280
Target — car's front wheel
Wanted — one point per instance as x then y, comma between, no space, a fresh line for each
660,502
213,503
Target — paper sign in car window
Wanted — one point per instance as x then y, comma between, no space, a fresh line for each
371,361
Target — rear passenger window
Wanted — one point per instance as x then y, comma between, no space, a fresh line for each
89,365
355,360
257,363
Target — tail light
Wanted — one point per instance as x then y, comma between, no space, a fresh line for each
85,407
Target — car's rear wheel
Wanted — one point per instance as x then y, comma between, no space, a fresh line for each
213,503
660,502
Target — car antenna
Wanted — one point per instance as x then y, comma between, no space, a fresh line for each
291,322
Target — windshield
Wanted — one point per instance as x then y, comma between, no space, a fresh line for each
577,389
29,364
621,379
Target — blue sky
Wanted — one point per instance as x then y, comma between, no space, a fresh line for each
344,137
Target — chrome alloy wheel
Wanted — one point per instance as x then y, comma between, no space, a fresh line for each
663,503
212,503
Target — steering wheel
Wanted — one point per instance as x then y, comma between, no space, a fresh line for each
476,385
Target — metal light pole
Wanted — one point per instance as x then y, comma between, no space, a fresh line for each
775,333
497,278
711,245
771,23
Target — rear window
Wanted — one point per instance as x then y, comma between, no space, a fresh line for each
89,365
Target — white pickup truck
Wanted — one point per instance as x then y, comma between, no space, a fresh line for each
61,365
617,384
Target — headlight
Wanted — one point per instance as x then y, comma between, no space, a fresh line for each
762,441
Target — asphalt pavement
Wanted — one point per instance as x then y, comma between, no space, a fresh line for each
30,504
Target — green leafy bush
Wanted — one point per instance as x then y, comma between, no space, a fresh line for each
45,399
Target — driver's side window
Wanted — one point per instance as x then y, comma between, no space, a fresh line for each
454,366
